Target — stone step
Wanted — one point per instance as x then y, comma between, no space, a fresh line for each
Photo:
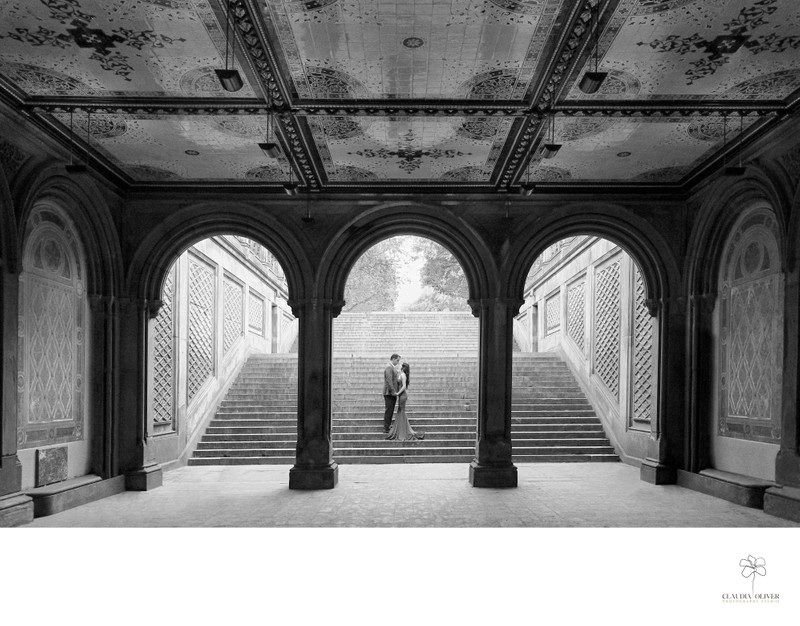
257,421
255,460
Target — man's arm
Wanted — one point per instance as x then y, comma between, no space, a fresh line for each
390,379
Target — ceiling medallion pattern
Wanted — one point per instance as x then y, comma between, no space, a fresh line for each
40,81
409,156
103,44
468,174
355,174
452,41
739,32
406,148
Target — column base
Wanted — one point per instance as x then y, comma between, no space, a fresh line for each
314,477
15,510
10,474
492,476
783,502
656,473
145,479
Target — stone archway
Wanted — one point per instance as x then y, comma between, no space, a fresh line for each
745,424
55,428
658,278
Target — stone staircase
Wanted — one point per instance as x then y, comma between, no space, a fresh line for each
551,419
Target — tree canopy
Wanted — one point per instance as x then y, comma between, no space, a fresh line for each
443,281
377,277
372,284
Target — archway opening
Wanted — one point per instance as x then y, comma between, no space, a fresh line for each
585,361
222,376
406,295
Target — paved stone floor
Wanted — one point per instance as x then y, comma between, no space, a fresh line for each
588,495
400,544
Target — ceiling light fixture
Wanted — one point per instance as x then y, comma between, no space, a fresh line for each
76,168
230,79
591,81
270,148
290,188
549,150
732,170
527,188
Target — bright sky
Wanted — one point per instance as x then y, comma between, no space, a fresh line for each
410,287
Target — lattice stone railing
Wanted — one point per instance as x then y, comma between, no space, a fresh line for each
607,326
256,313
642,354
233,302
576,314
553,309
201,325
164,358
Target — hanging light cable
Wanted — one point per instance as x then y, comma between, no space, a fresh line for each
270,148
591,81
230,79
549,150
290,188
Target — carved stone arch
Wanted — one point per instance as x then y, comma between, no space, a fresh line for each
88,210
397,219
157,251
640,240
718,217
53,335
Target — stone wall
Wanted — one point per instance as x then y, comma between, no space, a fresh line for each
223,300
585,299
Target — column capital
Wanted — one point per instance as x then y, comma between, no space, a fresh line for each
479,304
703,301
300,305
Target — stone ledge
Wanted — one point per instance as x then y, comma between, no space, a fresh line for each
783,502
737,488
73,492
15,510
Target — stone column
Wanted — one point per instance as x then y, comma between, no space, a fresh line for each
314,466
102,385
15,508
699,361
664,447
784,499
135,459
492,466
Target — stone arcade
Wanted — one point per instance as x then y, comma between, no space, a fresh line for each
119,150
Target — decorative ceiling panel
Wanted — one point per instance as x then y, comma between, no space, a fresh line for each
475,49
114,47
409,148
699,50
622,149
175,147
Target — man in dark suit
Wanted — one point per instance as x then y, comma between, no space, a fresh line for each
390,383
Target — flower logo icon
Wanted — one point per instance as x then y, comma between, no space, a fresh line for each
752,566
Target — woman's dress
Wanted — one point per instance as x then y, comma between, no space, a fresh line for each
401,430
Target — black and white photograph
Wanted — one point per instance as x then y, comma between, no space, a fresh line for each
397,311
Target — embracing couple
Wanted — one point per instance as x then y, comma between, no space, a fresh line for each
396,378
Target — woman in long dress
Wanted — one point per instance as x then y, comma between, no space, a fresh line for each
401,429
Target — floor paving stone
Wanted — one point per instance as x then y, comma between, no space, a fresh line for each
568,495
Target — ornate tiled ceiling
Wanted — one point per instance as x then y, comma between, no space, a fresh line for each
403,94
